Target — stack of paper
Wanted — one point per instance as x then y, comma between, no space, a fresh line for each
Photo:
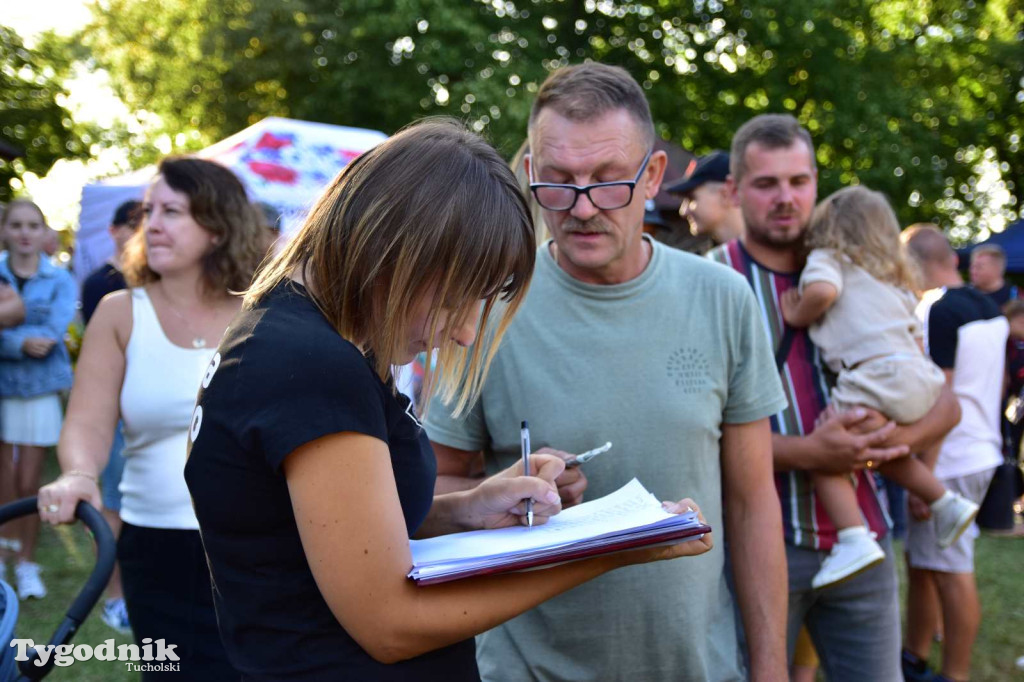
628,518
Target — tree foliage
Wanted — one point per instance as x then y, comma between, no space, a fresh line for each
905,96
33,122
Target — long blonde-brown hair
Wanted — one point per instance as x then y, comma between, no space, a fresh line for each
432,208
860,224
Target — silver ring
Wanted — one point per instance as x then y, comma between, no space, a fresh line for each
52,508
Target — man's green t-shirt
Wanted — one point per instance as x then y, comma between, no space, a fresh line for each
656,365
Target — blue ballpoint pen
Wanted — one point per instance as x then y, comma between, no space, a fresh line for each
524,440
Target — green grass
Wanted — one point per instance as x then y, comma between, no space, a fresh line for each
999,569
67,556
1001,640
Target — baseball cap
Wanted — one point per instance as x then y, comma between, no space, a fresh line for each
712,167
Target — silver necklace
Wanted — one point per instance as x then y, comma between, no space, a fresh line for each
197,340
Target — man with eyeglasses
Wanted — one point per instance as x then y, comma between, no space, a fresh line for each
659,351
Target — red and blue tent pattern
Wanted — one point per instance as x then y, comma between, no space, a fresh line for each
283,162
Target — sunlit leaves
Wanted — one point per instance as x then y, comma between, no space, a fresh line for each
893,92
33,120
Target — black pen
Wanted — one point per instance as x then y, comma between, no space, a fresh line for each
524,440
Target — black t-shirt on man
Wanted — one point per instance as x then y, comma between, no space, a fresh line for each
282,378
1003,294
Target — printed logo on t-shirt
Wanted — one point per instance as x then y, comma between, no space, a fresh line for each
689,370
211,370
197,423
410,411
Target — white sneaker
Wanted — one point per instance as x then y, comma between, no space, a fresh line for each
116,616
848,557
953,514
26,575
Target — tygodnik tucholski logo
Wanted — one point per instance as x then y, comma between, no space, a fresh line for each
135,658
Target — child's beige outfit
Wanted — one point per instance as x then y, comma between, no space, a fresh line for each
869,337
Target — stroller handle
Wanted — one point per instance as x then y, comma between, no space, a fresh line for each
94,585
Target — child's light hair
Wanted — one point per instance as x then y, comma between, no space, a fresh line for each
859,223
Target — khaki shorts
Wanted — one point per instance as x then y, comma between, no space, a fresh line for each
902,387
922,542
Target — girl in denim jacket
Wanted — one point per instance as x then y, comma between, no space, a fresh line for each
34,367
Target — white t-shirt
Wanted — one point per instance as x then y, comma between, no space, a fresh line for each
966,332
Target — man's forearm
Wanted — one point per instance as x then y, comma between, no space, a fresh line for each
457,469
754,528
753,521
453,484
791,453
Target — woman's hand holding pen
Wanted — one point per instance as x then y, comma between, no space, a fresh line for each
499,500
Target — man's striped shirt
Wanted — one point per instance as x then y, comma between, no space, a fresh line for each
805,522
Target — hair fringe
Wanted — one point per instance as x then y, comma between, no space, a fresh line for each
433,208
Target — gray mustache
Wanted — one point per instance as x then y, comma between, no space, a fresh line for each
595,225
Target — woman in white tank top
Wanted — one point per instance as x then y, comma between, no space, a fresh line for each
143,358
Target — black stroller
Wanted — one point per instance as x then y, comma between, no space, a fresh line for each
11,669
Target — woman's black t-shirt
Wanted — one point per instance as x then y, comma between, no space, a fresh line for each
282,378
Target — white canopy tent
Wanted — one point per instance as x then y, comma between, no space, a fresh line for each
283,162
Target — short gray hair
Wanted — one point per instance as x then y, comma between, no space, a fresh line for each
583,92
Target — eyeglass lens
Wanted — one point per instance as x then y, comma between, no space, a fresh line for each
606,197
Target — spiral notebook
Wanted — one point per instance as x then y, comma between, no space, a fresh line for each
629,518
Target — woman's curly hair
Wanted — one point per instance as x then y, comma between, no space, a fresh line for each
218,203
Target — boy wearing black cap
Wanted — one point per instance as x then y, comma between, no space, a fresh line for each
108,278
706,204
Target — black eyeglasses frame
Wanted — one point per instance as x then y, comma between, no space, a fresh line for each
585,189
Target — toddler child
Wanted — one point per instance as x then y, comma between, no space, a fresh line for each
856,295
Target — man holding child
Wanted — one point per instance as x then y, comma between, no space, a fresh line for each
773,179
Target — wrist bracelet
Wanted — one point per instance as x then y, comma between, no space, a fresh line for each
82,474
